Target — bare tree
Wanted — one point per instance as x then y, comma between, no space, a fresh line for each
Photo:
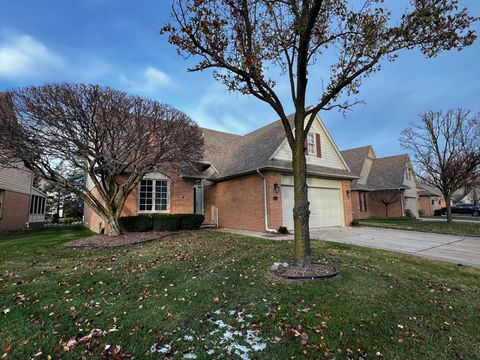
386,197
473,190
445,150
113,137
241,40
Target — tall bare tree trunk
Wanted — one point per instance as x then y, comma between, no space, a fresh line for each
114,226
301,212
386,210
448,200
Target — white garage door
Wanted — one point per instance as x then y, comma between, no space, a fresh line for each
325,207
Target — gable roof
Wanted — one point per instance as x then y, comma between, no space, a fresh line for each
232,155
385,173
428,190
355,158
388,172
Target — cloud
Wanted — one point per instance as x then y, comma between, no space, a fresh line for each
151,81
22,56
219,109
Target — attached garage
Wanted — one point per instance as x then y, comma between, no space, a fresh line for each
326,202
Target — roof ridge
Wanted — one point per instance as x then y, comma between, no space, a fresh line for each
391,156
222,132
357,148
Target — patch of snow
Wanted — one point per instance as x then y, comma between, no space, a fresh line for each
190,355
188,338
166,349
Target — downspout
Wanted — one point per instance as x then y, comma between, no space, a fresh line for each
265,202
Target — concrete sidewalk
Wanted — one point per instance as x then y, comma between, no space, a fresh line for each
454,249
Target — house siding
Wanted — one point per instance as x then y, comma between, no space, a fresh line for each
15,211
19,181
330,157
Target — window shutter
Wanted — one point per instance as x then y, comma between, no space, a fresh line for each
305,146
319,145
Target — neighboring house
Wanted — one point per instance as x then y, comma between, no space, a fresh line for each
247,183
466,196
392,174
431,199
21,205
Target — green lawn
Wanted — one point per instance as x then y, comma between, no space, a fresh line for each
192,292
457,228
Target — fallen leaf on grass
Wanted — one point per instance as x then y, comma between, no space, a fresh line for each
73,343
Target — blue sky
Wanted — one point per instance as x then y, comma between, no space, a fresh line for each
117,43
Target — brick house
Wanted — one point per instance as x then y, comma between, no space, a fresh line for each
430,199
247,183
21,205
387,174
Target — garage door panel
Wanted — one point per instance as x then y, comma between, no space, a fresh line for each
325,207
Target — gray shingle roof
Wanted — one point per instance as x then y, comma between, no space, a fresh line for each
232,155
385,173
388,172
428,190
355,158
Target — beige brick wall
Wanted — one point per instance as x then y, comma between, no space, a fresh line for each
15,211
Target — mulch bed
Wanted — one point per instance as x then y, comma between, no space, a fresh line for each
105,241
314,271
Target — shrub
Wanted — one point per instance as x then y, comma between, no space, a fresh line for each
167,222
409,214
355,223
437,212
138,223
191,221
421,213
282,230
163,222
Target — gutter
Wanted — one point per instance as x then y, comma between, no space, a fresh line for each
284,170
265,202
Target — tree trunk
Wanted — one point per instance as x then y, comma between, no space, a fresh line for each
301,213
448,200
386,210
114,226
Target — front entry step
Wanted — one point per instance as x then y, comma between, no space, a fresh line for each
208,226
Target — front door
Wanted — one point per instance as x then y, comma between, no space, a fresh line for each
198,197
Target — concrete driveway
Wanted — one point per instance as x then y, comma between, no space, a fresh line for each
455,249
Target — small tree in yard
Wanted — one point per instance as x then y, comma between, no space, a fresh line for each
114,138
242,39
386,197
445,147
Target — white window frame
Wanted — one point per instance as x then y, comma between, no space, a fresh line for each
310,142
154,177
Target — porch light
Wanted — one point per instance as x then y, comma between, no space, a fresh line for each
276,188
349,193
